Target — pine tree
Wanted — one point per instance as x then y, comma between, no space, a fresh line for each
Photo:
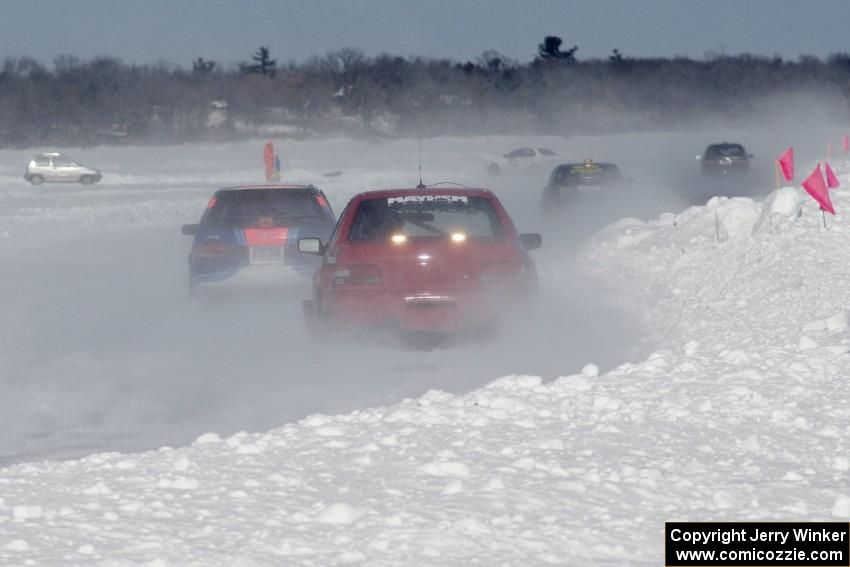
263,63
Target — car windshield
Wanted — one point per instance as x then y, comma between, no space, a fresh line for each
63,161
264,208
726,150
520,153
418,216
586,174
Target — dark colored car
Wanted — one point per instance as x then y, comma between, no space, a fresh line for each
441,261
573,183
256,229
725,158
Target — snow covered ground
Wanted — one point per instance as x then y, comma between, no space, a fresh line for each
739,411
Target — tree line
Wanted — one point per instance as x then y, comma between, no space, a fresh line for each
104,100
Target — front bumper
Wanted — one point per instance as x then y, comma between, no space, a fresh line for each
449,311
719,168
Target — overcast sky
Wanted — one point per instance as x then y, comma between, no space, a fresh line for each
178,31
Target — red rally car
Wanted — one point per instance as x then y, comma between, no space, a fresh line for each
424,259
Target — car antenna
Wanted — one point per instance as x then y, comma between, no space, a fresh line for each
421,185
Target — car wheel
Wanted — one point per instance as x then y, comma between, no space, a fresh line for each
193,285
36,179
486,333
86,179
551,200
422,340
308,311
317,326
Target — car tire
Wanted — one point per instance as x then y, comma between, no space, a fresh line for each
424,341
486,333
307,311
36,179
316,327
86,180
319,327
551,200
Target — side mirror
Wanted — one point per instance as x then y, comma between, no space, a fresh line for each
310,246
531,241
190,229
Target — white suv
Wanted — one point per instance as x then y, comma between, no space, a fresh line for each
59,168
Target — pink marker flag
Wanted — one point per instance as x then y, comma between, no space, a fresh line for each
845,143
831,179
786,164
816,187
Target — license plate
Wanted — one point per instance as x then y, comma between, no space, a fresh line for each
266,254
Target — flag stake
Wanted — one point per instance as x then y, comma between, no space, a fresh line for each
823,214
776,171
786,165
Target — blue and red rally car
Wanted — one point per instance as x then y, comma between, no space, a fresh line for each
256,228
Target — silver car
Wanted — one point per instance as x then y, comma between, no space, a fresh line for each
59,168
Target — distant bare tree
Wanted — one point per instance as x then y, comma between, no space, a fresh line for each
550,50
202,66
66,63
492,60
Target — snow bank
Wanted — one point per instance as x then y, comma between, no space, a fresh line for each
740,414
732,272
